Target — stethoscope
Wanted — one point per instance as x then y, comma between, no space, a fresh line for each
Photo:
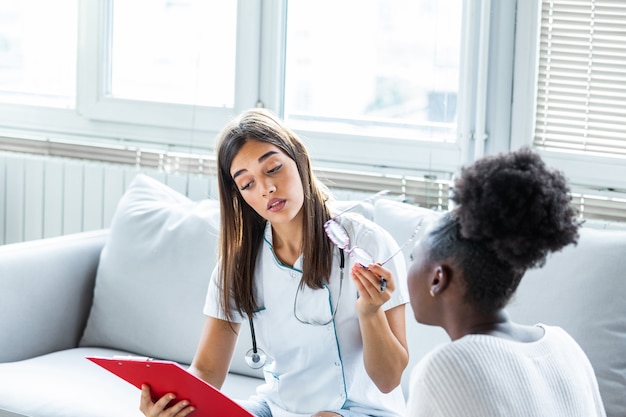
255,357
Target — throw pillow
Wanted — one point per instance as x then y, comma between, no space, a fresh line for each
581,289
153,273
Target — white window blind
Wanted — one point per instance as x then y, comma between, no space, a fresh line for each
593,206
581,96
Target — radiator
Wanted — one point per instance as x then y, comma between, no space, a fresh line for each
42,196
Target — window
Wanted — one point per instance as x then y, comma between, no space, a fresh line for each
182,64
392,69
183,53
378,91
381,89
38,52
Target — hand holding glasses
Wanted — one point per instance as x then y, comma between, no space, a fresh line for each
339,236
341,263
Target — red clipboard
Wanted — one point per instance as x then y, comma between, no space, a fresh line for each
168,376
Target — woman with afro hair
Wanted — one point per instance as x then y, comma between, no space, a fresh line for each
511,212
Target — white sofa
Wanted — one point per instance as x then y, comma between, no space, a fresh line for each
139,287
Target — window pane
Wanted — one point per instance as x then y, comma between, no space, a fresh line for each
388,66
174,51
38,52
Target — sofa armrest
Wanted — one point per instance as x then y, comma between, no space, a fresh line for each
46,289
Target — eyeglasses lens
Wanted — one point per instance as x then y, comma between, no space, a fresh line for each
337,234
361,256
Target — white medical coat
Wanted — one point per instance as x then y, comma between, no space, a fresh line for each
314,368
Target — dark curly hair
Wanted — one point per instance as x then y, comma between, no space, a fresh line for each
512,211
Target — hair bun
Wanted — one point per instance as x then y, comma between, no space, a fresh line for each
517,204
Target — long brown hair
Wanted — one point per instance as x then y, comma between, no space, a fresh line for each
241,228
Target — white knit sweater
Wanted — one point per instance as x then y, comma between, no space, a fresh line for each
484,376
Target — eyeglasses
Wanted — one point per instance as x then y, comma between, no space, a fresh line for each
341,266
339,236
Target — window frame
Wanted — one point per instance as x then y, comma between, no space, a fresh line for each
260,74
94,65
424,157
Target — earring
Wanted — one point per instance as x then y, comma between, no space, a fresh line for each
432,293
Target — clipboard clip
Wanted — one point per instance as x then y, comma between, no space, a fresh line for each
133,358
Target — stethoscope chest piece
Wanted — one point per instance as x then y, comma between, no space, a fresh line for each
256,358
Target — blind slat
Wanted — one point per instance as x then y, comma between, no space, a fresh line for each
600,120
589,77
565,141
580,136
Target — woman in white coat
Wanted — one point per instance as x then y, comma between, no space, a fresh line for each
330,346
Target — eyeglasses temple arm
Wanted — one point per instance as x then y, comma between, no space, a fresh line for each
378,194
394,254
411,238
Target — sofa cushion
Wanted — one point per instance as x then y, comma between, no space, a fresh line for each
69,385
582,290
153,273
66,385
